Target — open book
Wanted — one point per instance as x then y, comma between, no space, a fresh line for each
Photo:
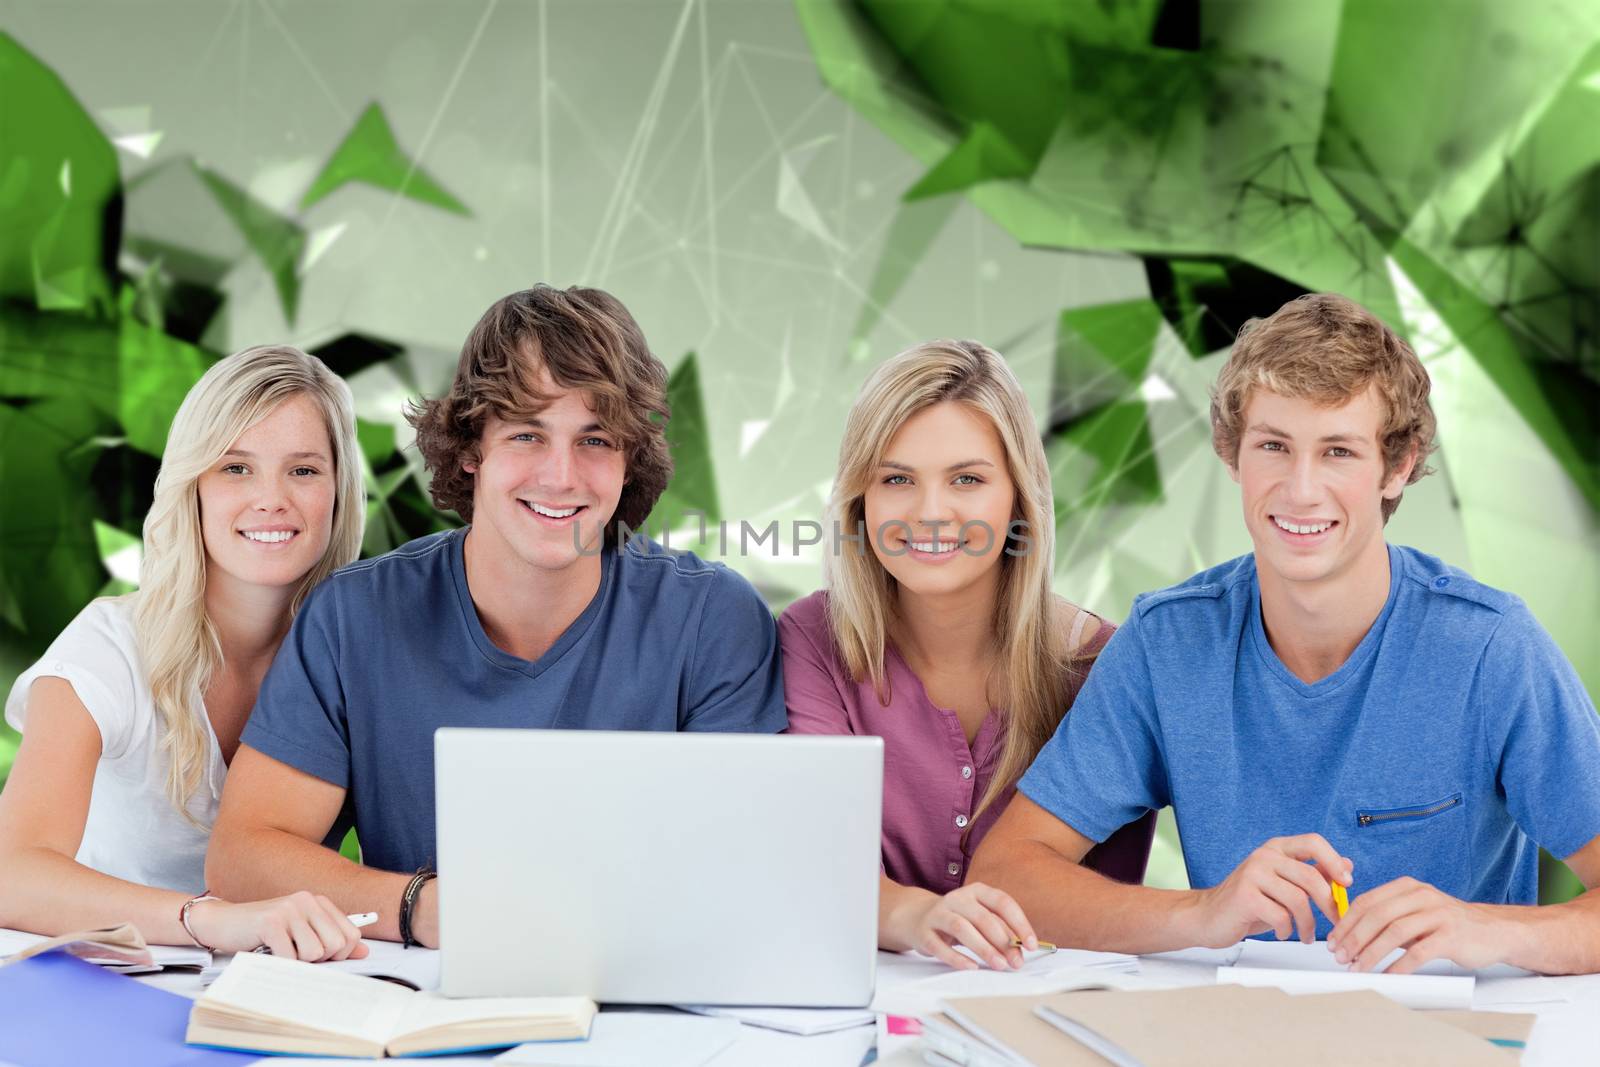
268,1004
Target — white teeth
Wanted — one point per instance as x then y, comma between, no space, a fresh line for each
268,537
554,513
932,546
1292,528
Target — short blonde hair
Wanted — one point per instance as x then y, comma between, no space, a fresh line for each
1327,348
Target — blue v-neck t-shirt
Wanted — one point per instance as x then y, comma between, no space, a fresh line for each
1454,740
389,649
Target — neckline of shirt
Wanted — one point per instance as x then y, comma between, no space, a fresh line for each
498,656
1356,660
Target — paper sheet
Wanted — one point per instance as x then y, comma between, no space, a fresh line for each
923,997
769,1048
802,1021
1435,991
634,1039
419,966
1497,986
1298,956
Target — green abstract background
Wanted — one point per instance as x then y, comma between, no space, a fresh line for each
785,196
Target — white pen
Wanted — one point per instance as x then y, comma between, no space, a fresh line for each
360,919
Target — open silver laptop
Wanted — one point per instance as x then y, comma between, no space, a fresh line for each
658,868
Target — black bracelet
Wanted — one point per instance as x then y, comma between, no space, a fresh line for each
408,900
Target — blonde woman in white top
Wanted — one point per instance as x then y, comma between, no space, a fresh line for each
130,718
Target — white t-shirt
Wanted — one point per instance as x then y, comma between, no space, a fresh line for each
133,832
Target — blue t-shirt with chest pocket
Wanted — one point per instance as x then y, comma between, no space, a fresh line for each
1454,740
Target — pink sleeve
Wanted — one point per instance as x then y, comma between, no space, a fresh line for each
809,688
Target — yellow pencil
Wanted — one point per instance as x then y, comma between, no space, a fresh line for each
1341,900
1016,942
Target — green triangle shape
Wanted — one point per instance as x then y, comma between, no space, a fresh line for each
276,241
1102,353
694,481
985,154
370,154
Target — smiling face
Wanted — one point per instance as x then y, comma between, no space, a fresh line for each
545,487
939,504
266,506
1312,480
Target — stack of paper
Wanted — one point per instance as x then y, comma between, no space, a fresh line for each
1231,1024
912,985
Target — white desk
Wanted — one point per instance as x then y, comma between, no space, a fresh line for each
1567,1030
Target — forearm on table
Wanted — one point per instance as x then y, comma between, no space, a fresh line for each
46,892
894,901
263,862
1554,938
1072,906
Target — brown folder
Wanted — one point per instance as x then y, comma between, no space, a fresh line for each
1226,1025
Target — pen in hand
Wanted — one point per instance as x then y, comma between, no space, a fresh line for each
365,918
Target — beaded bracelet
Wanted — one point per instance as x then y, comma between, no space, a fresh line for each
408,901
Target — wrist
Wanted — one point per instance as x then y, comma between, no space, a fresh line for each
425,915
901,914
198,916
1186,924
412,919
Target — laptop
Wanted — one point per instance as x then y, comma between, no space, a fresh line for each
659,868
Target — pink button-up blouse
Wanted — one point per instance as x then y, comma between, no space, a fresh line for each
932,778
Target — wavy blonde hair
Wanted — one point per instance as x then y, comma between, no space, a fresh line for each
177,642
1034,664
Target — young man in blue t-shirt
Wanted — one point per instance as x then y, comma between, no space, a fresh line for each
542,613
1330,708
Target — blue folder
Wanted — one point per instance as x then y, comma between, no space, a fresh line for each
58,1011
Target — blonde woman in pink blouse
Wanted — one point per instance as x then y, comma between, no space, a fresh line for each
938,631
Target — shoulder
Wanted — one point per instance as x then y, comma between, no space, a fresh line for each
683,580
1436,579
1078,632
1466,611
98,654
368,585
808,615
100,637
107,619
411,560
1205,593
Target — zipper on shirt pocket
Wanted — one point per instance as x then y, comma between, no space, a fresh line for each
1412,814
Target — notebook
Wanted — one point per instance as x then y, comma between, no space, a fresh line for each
268,1004
59,1011
1240,1026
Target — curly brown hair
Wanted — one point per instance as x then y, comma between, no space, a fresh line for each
1327,348
587,340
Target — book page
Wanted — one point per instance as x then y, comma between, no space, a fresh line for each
307,996
429,1011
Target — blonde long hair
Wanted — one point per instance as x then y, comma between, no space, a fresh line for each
1034,665
177,642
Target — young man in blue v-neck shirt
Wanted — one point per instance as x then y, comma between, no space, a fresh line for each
1329,708
542,613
